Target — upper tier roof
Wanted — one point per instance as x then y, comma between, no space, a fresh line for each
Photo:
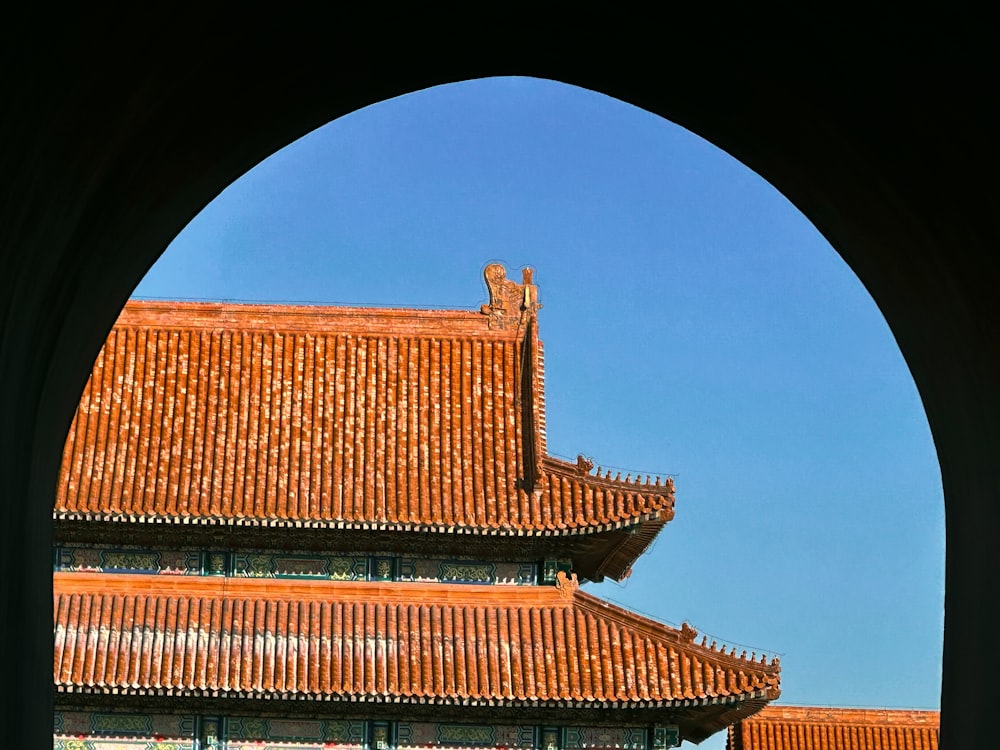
816,728
398,419
444,644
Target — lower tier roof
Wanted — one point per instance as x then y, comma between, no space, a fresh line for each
400,642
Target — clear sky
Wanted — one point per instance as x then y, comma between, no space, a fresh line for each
695,324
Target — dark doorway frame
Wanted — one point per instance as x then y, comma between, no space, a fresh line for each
119,129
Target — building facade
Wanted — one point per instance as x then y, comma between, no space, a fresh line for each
323,527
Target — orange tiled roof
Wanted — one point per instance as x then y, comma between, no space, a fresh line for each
814,728
337,417
382,641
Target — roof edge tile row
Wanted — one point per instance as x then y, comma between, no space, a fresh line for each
454,530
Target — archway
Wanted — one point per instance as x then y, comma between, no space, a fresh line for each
694,322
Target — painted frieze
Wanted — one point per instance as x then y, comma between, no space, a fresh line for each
81,730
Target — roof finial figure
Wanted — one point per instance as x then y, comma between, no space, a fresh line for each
688,634
510,302
567,584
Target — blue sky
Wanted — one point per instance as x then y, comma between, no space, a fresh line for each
695,323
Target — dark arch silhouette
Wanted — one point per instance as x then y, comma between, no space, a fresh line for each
118,130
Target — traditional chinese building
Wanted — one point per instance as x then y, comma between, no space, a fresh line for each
816,728
289,526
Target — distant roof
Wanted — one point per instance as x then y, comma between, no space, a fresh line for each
366,418
445,644
780,727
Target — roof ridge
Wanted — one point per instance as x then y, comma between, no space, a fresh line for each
289,306
318,319
664,483
845,714
684,635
